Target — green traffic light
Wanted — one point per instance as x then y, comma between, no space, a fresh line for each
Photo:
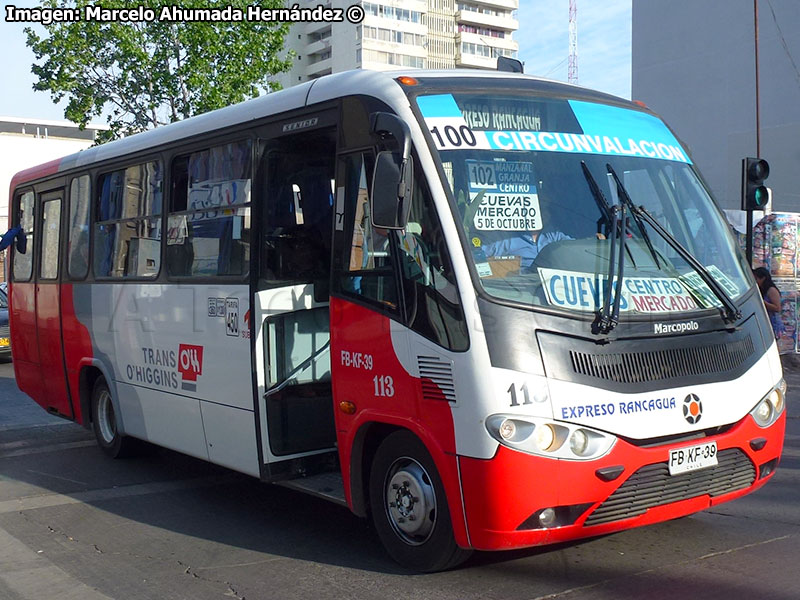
755,195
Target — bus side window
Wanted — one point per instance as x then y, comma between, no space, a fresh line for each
298,210
368,265
78,243
431,299
23,263
127,230
51,234
208,231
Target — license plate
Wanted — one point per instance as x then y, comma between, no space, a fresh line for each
4,342
691,458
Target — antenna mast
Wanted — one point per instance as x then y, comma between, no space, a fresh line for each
572,73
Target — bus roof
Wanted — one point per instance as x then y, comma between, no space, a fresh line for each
380,84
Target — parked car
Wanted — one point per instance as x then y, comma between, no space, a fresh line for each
5,334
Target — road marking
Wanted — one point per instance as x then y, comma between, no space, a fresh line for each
746,547
32,576
34,425
50,500
46,449
57,477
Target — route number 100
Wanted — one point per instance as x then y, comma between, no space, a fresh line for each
451,136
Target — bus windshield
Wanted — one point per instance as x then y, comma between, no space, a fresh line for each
534,183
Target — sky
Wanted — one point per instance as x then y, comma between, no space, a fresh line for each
604,52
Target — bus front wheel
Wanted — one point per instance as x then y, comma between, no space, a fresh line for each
409,507
104,423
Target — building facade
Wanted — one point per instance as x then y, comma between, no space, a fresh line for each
424,34
694,63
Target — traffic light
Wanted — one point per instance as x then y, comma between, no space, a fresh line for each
755,195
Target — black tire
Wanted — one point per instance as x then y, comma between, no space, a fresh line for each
104,423
409,507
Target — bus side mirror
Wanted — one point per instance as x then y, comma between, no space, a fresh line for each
393,177
392,181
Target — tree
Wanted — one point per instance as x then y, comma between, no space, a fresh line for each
157,67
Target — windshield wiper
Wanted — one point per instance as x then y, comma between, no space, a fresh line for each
599,198
732,312
626,199
604,207
614,219
608,317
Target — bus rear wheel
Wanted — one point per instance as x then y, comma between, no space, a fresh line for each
409,507
104,423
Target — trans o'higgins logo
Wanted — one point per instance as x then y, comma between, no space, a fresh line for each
160,367
190,365
692,409
676,327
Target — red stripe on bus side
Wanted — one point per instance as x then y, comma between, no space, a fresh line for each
25,340
77,346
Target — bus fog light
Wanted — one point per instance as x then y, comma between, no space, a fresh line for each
507,429
545,437
579,442
547,517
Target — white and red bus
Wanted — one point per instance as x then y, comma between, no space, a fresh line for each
487,310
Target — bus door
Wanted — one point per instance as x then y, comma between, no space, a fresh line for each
292,297
22,299
48,308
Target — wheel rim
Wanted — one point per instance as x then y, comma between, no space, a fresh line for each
105,417
410,501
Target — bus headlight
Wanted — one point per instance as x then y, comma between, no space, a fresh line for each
763,412
579,442
771,406
781,391
512,431
507,429
549,438
545,437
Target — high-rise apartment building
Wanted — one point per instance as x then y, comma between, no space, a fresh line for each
425,34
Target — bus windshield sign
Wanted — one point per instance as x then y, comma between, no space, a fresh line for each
593,129
537,233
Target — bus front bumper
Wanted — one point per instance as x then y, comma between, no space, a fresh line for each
506,498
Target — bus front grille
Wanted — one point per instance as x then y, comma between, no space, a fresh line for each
659,365
652,485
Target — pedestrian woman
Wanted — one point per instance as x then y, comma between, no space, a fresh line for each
772,299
